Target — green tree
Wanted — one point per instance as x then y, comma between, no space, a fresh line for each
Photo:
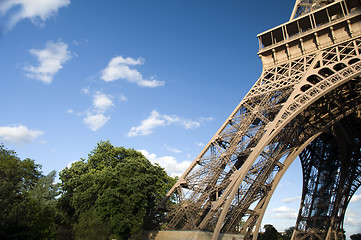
288,233
270,233
356,236
90,226
118,187
27,199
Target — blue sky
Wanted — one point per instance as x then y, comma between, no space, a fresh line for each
159,76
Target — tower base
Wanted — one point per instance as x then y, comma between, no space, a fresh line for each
187,235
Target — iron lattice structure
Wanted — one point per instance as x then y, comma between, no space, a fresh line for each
306,102
331,168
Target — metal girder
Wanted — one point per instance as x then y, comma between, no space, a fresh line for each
300,95
305,6
332,172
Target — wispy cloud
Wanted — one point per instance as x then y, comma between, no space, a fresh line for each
173,150
292,199
206,119
169,163
71,163
71,111
120,68
283,209
18,135
51,60
38,11
95,117
356,198
85,90
200,144
156,119
123,98
284,212
352,218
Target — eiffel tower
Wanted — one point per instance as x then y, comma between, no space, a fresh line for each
306,103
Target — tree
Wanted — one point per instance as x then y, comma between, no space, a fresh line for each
27,199
356,236
288,233
118,187
270,233
90,226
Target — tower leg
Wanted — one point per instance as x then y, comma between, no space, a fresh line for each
331,170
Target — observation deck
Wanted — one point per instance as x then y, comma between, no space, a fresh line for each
331,24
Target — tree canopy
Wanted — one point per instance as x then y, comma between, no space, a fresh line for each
111,192
270,233
27,199
288,233
356,236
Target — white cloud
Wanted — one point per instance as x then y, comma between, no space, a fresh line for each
156,119
189,124
292,199
71,111
146,127
290,215
206,119
95,118
356,198
19,135
38,11
123,98
173,150
284,212
96,121
51,60
352,217
85,90
200,144
283,209
80,42
169,163
102,102
119,68
71,163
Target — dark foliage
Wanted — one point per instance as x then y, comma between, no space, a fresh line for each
27,199
356,236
